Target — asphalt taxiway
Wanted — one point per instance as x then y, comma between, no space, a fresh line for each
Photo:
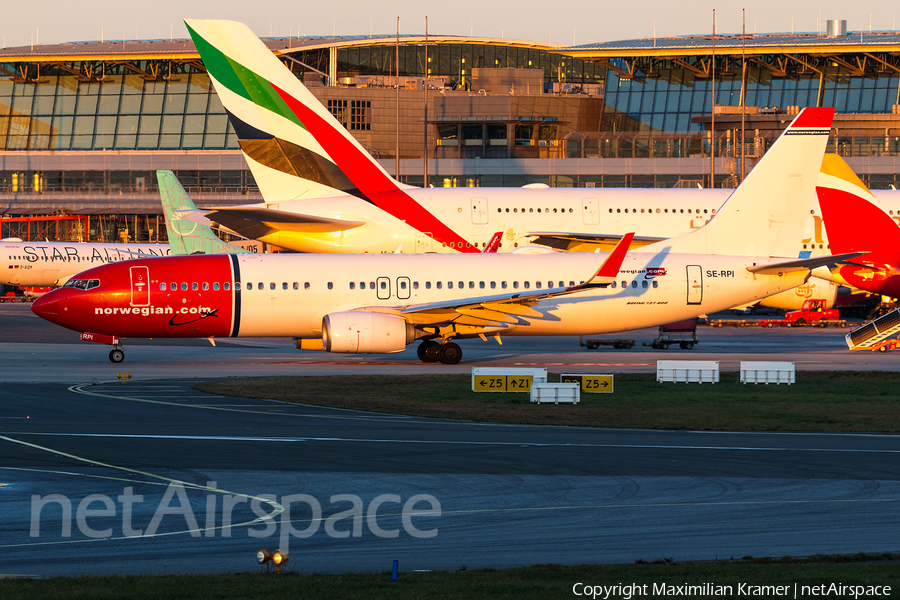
72,436
34,350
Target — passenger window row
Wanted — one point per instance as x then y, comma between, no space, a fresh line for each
194,286
634,284
37,257
531,210
468,244
491,285
481,285
666,210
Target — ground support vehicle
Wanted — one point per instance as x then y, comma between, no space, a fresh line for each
813,313
733,322
683,333
884,346
802,323
617,344
877,334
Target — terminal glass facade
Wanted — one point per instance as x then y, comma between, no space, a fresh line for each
118,110
454,61
83,106
665,99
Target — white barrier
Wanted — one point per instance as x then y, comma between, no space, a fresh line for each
687,371
767,372
506,379
569,393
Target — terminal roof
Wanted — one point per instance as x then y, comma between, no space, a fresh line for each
756,44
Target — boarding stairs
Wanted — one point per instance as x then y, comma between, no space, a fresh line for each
874,332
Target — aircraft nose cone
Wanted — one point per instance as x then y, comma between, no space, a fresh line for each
46,307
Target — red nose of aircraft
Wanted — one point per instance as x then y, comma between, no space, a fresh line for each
178,296
47,306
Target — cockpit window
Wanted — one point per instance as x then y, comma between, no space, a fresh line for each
82,284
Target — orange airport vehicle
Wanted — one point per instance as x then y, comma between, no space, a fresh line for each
891,344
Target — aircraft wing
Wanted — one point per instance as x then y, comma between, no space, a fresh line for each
255,223
802,264
584,242
504,310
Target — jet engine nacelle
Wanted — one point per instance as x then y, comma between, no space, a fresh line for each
361,332
793,299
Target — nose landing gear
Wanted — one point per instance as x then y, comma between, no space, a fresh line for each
447,353
116,355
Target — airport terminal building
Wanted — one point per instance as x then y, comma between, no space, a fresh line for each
84,126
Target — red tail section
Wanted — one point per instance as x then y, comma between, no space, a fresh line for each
494,244
853,224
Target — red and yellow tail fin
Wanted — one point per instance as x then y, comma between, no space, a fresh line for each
853,219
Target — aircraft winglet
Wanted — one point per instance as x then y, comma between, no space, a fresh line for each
609,270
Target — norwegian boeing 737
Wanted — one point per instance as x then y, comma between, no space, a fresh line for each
324,193
380,303
49,264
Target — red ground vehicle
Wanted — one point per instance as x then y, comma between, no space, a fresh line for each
813,313
30,293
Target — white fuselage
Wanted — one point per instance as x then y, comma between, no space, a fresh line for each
46,264
475,214
272,305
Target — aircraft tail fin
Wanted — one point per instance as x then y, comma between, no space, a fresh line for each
494,244
294,146
187,237
767,214
852,217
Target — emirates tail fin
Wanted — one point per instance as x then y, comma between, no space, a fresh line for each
294,146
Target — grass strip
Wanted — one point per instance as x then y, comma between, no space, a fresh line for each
830,401
536,582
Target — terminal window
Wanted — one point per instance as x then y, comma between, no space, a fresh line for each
339,109
360,111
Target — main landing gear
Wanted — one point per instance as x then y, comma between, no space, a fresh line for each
447,353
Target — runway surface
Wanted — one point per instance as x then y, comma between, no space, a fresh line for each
143,465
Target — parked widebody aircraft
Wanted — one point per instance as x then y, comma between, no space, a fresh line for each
324,193
49,264
380,303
